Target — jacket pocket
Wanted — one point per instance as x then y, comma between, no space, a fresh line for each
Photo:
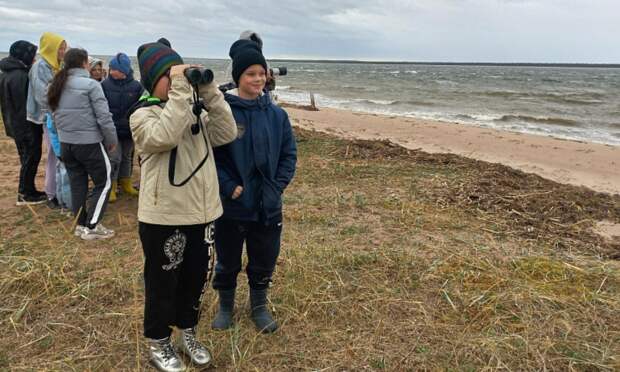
272,196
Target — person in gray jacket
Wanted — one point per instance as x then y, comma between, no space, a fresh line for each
86,130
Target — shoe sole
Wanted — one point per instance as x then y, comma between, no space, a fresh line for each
232,323
220,328
95,237
157,367
22,203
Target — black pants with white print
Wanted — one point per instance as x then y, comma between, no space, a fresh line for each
262,245
175,271
83,161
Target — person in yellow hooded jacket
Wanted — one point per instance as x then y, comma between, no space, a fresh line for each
52,49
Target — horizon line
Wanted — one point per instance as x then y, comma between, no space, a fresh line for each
460,63
435,63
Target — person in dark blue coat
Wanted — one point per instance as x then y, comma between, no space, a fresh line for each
253,172
122,92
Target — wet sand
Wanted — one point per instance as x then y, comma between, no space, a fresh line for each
596,166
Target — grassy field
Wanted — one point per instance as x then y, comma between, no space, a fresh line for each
391,260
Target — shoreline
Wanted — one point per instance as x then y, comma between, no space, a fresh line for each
572,162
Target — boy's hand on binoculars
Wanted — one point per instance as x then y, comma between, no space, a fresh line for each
111,148
237,192
178,70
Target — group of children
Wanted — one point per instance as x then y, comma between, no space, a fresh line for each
96,107
208,177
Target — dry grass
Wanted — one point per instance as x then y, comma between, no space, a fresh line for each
391,260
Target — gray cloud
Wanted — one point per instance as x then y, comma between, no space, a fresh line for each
422,30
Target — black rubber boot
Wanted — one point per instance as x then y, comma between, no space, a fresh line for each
224,317
260,313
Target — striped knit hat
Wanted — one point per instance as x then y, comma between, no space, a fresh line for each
154,60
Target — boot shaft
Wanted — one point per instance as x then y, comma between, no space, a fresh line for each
227,299
260,313
127,187
224,317
112,198
258,298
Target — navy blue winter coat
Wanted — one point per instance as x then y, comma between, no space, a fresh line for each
121,96
262,160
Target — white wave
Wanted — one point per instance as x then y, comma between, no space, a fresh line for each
445,82
481,117
485,120
375,101
411,72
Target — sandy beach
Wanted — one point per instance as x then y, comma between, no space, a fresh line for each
578,163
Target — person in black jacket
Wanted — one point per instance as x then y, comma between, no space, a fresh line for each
27,135
253,172
122,92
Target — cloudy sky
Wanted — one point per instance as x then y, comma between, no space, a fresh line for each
414,30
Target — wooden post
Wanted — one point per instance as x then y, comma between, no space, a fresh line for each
313,102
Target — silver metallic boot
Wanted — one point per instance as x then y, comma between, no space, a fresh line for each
192,348
163,356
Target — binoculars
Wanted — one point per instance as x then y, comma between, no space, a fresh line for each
198,75
278,71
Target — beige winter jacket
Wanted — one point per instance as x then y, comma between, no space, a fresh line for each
156,131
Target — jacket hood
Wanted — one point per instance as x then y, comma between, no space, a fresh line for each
24,51
259,103
11,63
93,62
122,63
49,45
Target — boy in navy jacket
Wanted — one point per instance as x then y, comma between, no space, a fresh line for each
253,172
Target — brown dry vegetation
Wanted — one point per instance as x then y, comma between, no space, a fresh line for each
392,260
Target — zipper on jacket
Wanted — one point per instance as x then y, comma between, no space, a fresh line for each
156,186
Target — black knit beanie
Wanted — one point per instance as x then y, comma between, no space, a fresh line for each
24,51
245,53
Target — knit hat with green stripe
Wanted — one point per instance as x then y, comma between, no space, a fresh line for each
154,60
